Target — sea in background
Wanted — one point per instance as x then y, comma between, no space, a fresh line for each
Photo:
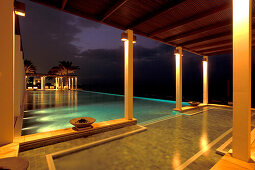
159,82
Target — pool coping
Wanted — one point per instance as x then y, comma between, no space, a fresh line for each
51,156
33,141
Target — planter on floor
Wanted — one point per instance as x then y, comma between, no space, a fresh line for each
82,122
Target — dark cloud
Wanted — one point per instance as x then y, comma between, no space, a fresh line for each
48,35
108,64
84,23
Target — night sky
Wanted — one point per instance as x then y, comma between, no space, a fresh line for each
50,35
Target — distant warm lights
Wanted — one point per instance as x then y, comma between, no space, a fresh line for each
19,8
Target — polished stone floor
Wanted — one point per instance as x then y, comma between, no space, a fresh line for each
37,159
167,144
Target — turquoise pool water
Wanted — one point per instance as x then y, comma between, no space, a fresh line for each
52,110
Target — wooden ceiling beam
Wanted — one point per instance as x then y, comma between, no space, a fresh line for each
213,45
112,9
199,30
222,48
191,19
63,5
207,38
219,53
226,51
166,7
161,40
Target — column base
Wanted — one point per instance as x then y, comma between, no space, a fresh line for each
177,109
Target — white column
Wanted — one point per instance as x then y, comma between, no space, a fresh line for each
56,82
178,62
62,83
25,82
69,83
128,52
6,72
76,83
242,21
72,83
205,80
42,83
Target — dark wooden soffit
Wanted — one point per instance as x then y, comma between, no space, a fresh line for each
212,45
188,36
63,4
199,30
207,38
112,9
192,19
166,7
226,50
222,48
218,53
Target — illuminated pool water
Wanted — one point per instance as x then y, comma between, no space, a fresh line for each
52,110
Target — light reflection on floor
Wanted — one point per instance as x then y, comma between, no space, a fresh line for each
52,110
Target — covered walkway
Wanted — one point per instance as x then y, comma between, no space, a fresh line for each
203,27
199,26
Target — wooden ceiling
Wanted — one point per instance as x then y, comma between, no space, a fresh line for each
203,27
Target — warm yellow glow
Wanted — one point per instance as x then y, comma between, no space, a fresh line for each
176,160
205,82
205,69
177,59
20,13
204,142
240,8
126,51
124,39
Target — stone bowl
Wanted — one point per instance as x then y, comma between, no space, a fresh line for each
194,103
80,123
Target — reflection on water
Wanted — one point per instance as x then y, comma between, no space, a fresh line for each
204,137
52,110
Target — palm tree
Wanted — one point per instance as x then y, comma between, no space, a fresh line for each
55,70
66,67
29,67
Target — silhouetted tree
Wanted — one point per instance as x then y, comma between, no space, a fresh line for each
29,67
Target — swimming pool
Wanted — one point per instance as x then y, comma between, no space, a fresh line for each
52,110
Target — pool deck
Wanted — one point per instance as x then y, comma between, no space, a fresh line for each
46,138
227,162
33,141
180,142
164,138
